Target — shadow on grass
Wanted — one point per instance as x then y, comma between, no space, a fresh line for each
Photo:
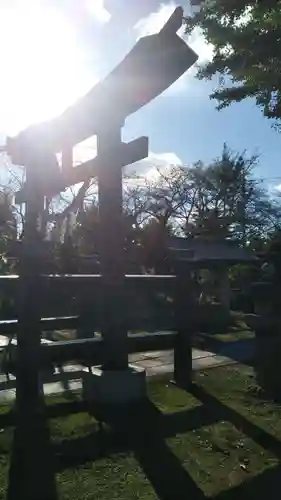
32,472
162,468
223,412
266,485
144,431
126,433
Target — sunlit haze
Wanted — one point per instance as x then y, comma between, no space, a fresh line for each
53,51
43,70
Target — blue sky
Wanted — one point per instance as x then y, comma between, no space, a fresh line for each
77,43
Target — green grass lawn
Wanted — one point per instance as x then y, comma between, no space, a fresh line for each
208,442
216,341
234,335
236,329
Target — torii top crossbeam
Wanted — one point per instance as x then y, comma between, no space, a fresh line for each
154,63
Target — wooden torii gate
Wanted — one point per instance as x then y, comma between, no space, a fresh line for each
154,63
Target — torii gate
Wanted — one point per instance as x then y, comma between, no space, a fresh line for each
154,63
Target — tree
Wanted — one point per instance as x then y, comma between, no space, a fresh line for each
272,254
8,221
229,202
153,241
8,232
220,200
245,35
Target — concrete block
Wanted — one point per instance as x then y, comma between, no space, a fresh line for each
114,386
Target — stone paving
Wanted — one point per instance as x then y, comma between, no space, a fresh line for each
160,362
155,363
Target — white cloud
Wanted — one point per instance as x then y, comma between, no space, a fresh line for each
198,43
275,189
98,11
154,22
148,167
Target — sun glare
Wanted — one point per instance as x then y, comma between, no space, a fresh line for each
42,68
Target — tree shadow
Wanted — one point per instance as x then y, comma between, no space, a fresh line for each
32,472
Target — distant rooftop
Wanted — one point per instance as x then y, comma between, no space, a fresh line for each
203,250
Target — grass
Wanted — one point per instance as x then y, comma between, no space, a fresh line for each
213,439
236,330
232,329
216,341
234,335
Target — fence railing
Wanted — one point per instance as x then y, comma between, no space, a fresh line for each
168,322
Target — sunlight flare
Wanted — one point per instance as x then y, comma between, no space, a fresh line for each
43,70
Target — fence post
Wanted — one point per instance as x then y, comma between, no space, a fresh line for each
184,312
30,474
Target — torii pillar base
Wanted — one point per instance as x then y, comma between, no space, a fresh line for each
114,387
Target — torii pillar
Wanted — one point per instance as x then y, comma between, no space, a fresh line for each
112,249
115,382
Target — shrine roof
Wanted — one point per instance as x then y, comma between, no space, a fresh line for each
201,249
